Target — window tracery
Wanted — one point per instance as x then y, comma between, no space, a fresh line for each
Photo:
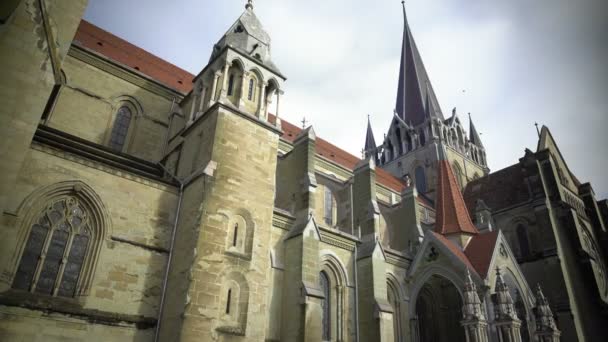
56,249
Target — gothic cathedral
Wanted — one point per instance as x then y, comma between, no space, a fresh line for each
140,202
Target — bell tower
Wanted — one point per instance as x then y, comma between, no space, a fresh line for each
217,283
419,130
240,73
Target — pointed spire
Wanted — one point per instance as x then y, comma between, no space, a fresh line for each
471,308
416,100
370,142
543,313
452,216
473,135
503,302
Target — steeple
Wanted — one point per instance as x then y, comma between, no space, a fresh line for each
452,215
370,142
473,135
416,99
247,36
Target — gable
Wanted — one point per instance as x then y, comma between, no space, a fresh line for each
547,142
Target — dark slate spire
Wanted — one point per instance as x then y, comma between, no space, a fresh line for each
370,142
416,99
473,135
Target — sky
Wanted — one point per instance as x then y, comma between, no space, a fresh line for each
510,64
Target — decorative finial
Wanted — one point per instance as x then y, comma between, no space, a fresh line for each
249,4
537,130
304,122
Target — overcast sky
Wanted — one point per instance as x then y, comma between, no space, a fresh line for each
509,63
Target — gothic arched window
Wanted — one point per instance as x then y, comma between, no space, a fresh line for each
56,248
120,128
250,93
230,84
522,239
326,307
420,179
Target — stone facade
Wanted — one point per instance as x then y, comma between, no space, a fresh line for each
140,206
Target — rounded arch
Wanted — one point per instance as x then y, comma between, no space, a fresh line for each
234,301
255,71
97,220
240,230
237,62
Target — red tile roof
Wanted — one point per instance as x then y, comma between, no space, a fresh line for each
121,51
454,249
479,251
330,151
452,215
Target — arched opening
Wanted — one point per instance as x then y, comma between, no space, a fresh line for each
458,175
438,309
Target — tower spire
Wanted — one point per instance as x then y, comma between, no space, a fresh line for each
370,142
416,99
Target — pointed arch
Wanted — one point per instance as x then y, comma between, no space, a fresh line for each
70,216
126,111
336,302
395,297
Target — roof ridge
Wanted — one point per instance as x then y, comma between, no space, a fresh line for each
452,216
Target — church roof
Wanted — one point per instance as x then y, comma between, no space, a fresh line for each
119,50
452,216
416,99
123,52
479,251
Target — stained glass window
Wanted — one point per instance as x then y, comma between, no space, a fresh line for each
55,250
120,129
326,306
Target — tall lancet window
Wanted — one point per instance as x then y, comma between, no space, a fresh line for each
326,307
251,90
120,128
230,84
328,208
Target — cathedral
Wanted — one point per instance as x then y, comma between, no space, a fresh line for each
140,202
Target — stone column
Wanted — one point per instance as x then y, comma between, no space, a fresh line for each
546,330
201,106
244,88
261,100
505,317
212,98
224,91
473,319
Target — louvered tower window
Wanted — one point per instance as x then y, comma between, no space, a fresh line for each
326,307
55,250
121,128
